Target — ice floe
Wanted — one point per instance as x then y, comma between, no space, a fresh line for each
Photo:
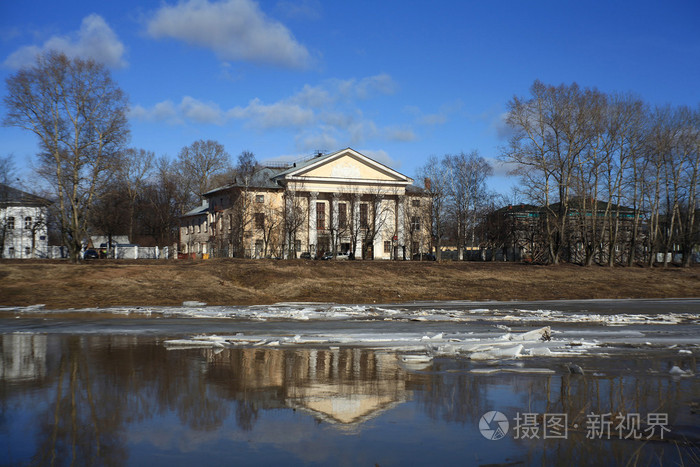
415,348
500,314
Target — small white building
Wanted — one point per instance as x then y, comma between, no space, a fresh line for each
23,224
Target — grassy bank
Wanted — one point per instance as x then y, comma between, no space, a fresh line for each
244,282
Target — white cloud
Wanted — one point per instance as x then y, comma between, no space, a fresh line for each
381,156
400,134
321,116
313,96
189,108
95,40
201,112
366,87
433,119
501,168
278,115
300,9
322,140
233,29
500,125
162,111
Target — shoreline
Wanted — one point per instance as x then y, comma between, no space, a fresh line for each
114,283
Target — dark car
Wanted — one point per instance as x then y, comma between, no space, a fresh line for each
305,255
91,254
423,257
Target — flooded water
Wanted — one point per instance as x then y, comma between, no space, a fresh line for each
109,387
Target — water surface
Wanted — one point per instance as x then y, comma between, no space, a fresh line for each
97,390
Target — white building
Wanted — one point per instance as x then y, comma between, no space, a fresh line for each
338,203
23,224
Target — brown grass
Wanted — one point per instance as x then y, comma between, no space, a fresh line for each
58,284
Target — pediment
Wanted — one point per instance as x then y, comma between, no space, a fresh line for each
347,165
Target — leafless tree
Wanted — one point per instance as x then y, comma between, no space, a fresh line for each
294,215
197,165
437,187
271,228
79,116
466,176
133,172
379,204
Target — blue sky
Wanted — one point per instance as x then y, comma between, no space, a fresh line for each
396,80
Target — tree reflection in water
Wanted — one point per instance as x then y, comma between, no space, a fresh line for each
86,394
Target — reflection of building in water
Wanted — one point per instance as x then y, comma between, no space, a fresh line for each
23,357
344,386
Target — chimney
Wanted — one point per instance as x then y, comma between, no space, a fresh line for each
427,183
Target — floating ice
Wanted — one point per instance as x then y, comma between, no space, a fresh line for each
496,353
676,371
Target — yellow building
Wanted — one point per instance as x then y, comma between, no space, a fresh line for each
342,204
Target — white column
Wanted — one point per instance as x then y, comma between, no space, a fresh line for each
401,226
334,222
313,232
356,224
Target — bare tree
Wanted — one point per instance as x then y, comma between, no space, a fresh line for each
437,186
79,116
198,164
133,172
466,176
378,204
295,214
270,227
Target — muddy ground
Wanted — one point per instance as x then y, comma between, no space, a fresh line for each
102,283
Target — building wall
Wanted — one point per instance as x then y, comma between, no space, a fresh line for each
390,234
20,224
304,202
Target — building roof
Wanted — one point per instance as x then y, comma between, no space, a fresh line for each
300,170
415,190
262,178
13,197
199,210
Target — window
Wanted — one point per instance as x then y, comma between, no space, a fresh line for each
387,246
28,223
342,215
230,222
415,223
414,247
415,203
259,198
321,216
10,223
297,245
258,247
259,220
363,216
27,251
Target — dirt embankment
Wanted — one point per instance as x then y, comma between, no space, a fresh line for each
102,283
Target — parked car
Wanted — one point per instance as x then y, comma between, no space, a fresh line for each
339,256
91,254
424,257
305,255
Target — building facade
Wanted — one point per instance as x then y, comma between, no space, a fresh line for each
23,224
343,203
